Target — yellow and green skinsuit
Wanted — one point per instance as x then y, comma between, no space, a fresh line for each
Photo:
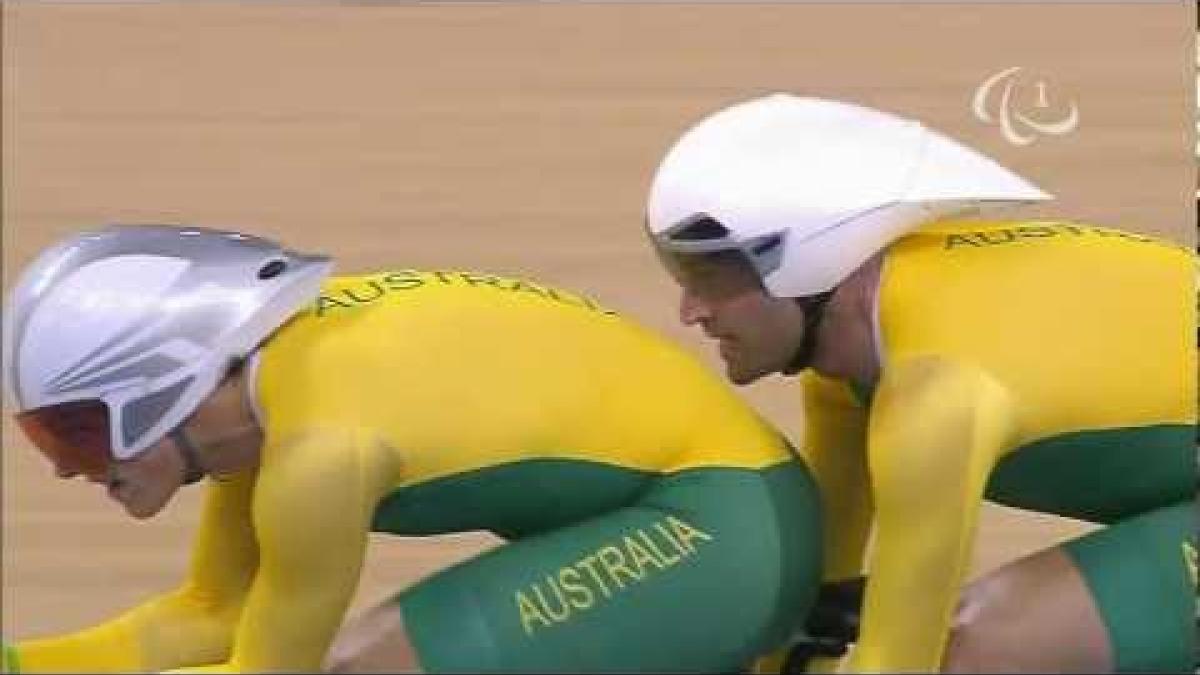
655,522
1049,366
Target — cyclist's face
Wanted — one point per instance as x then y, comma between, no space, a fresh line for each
757,334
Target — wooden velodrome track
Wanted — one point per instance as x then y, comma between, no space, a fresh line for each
515,139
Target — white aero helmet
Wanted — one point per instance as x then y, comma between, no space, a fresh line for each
132,326
808,189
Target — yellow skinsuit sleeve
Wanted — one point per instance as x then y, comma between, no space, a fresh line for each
276,564
937,428
834,448
313,505
192,624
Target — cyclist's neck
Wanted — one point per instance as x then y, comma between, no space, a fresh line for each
846,339
225,430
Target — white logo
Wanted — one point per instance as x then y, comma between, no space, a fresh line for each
1010,118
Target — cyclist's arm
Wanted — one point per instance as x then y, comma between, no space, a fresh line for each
936,430
834,447
313,506
192,624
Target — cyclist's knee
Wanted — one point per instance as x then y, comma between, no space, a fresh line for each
973,646
1032,615
375,642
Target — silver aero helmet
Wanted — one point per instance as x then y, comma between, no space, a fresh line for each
808,189
113,337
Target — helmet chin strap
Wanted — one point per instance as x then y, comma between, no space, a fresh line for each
814,311
192,469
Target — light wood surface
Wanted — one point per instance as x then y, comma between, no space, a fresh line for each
510,138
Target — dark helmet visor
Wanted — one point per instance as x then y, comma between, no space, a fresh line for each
74,436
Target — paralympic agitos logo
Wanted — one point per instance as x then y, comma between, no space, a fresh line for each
997,100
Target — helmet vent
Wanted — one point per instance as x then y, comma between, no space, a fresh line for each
272,269
699,227
768,245
140,415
